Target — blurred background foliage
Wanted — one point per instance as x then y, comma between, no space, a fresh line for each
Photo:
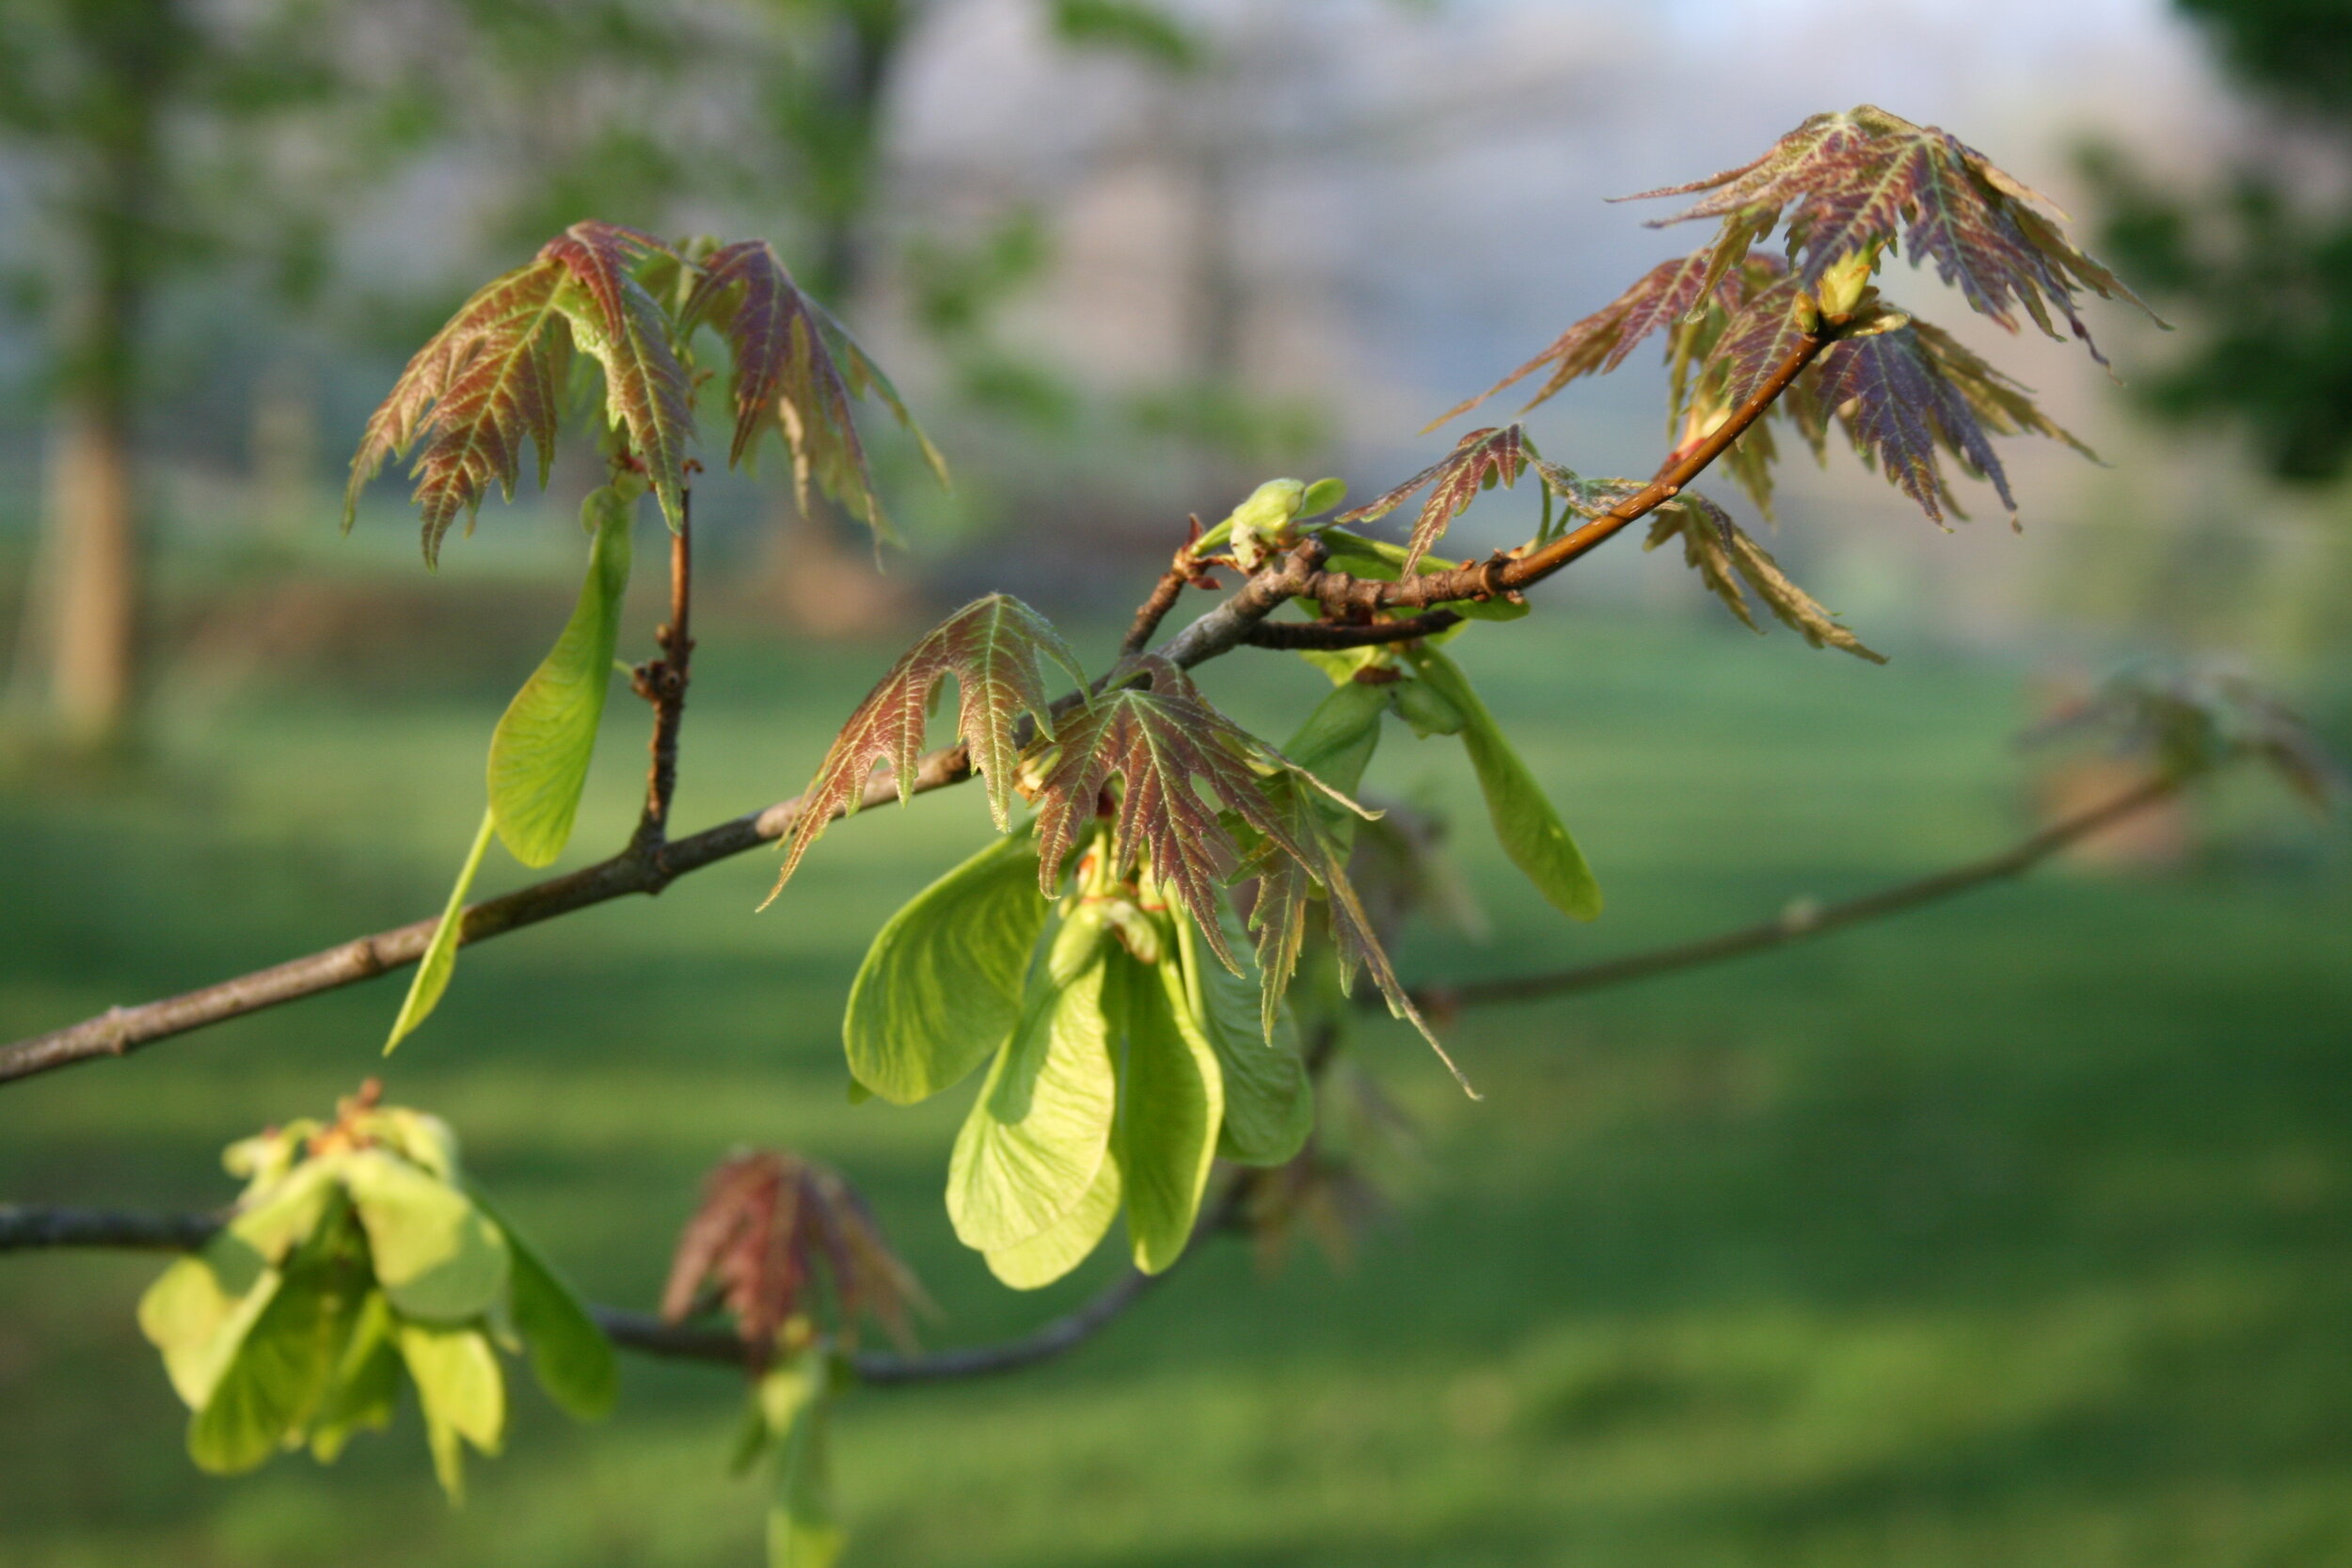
2013,1233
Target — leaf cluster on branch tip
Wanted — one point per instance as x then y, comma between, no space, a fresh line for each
358,1257
501,373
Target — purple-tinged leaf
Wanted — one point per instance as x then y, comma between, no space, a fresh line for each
996,648
1903,394
1478,461
1600,342
795,365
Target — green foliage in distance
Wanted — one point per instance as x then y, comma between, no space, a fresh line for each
356,1256
2260,264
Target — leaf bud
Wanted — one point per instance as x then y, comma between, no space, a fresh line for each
1843,284
1262,522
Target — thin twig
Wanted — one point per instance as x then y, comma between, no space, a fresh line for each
1351,600
29,1227
662,682
1182,571
1800,923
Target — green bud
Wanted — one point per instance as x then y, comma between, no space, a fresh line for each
1262,522
1843,284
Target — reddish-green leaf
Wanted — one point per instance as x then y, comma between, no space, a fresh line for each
789,365
1155,740
770,1226
1600,342
1299,855
1756,340
996,648
613,318
486,382
1478,461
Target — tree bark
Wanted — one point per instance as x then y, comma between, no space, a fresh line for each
93,546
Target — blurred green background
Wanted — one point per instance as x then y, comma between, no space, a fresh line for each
2013,1231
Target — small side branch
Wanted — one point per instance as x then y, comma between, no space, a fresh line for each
1801,923
662,682
1182,572
1351,601
26,1227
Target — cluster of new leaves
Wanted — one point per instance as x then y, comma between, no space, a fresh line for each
1154,734
776,1236
1849,183
357,1252
1850,187
497,375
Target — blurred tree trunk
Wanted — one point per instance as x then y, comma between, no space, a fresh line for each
84,634
93,548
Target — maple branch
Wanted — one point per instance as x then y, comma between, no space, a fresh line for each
1350,634
1801,923
29,1227
648,1334
119,1030
1238,620
662,682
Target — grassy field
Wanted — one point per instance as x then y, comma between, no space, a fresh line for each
2013,1234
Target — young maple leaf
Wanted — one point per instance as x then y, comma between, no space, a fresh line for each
1296,854
646,389
1902,394
788,356
1596,345
1755,341
770,1225
493,376
1724,556
485,382
1478,461
1156,739
1846,183
996,648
